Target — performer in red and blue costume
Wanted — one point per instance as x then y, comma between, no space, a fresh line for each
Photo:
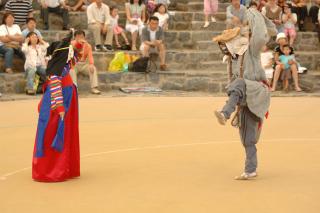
56,151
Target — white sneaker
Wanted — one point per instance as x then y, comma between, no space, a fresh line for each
206,24
213,19
246,176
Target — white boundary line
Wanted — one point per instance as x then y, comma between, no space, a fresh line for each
5,176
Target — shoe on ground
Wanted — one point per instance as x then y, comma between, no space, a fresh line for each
206,24
98,48
107,48
163,67
246,176
30,92
220,117
95,91
213,19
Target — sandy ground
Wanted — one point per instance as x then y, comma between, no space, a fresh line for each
162,154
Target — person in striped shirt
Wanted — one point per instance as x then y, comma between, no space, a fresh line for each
21,9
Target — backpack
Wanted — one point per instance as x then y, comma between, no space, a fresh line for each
140,65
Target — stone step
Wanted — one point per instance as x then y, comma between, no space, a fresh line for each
188,60
198,6
217,26
191,80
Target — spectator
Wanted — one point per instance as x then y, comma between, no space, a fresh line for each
152,39
99,24
10,38
300,8
21,9
279,67
31,27
35,50
210,9
289,20
236,14
57,7
135,12
82,5
313,13
286,60
117,30
85,64
267,62
162,13
272,11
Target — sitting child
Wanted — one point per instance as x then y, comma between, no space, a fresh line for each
286,60
289,20
117,30
163,16
35,50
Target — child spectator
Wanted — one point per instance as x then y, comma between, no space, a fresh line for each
210,9
117,30
267,62
286,60
162,13
289,19
31,27
35,50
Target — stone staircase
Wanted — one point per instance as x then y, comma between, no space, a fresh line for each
194,60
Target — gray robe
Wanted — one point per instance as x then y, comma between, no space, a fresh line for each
257,94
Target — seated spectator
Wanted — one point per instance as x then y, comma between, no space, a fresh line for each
85,64
279,67
289,20
286,60
267,62
236,14
152,39
21,9
35,50
57,7
31,27
10,39
163,16
272,11
117,30
313,13
135,12
99,24
300,8
81,5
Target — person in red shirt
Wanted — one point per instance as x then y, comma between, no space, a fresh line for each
85,64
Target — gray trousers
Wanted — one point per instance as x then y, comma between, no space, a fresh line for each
249,123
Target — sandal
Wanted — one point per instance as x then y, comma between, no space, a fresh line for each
246,176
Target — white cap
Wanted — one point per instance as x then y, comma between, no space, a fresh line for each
281,35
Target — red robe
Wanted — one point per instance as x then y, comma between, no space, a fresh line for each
59,162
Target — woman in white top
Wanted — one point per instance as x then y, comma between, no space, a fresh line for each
163,16
10,38
135,12
35,50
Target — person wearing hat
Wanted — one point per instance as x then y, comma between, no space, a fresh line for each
279,67
249,92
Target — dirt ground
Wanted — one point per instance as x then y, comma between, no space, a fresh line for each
166,155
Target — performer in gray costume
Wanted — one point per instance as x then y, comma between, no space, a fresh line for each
250,92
